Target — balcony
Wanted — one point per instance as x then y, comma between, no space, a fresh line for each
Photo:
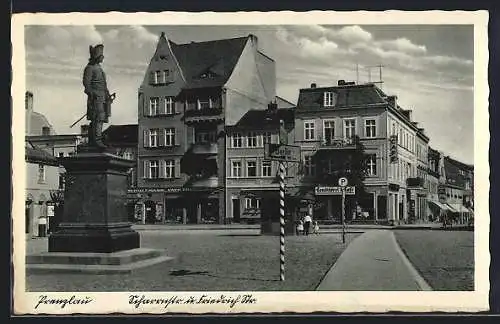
337,143
205,114
204,182
204,148
415,183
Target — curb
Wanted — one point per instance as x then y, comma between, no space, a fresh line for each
416,275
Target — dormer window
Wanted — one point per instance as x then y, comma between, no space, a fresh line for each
157,77
45,131
329,99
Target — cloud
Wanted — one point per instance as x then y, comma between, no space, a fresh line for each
353,34
403,45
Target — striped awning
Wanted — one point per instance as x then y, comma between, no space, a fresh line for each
440,205
459,208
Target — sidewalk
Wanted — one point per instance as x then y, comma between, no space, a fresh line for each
373,262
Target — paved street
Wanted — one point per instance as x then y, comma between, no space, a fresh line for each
210,260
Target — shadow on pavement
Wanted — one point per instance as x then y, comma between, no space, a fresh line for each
241,235
206,273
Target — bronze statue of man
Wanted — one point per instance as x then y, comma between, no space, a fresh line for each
98,98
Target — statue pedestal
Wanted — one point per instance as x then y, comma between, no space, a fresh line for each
95,216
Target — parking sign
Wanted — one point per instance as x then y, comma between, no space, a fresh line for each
343,182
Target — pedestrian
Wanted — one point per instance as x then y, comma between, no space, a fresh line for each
316,228
307,224
300,227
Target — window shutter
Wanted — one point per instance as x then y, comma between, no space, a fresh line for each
162,168
162,133
176,137
163,105
146,138
145,174
152,77
177,168
176,106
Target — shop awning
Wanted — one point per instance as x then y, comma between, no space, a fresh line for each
459,208
439,205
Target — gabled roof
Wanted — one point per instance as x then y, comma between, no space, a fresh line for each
216,59
121,134
258,119
34,154
346,96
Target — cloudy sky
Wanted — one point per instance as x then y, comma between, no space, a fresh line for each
429,68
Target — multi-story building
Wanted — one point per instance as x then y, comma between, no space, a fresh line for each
249,175
457,190
42,176
189,94
122,140
418,186
328,122
435,176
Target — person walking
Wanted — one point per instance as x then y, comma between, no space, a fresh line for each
307,224
300,227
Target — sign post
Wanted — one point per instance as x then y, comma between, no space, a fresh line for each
283,153
343,190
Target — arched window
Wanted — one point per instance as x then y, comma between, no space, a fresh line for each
45,130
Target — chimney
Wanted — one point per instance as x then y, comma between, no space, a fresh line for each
392,101
341,82
84,130
313,85
28,101
273,106
255,41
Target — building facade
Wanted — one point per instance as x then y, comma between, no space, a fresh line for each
250,176
190,94
332,124
42,179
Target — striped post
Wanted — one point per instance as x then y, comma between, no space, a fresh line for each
343,216
282,221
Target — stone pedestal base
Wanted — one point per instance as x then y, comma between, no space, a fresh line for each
95,263
94,239
95,214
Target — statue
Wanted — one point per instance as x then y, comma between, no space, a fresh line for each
98,98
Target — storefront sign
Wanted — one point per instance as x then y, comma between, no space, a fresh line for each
282,152
393,149
50,210
331,191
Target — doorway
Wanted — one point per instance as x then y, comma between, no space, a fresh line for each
236,210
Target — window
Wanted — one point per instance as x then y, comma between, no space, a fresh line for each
204,103
169,106
252,139
169,169
331,166
61,154
237,141
329,99
127,155
45,130
370,128
154,169
169,136
266,169
371,165
400,137
154,104
308,165
329,131
266,137
205,137
236,169
349,128
251,169
394,129
166,73
251,203
157,77
41,173
309,130
153,137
